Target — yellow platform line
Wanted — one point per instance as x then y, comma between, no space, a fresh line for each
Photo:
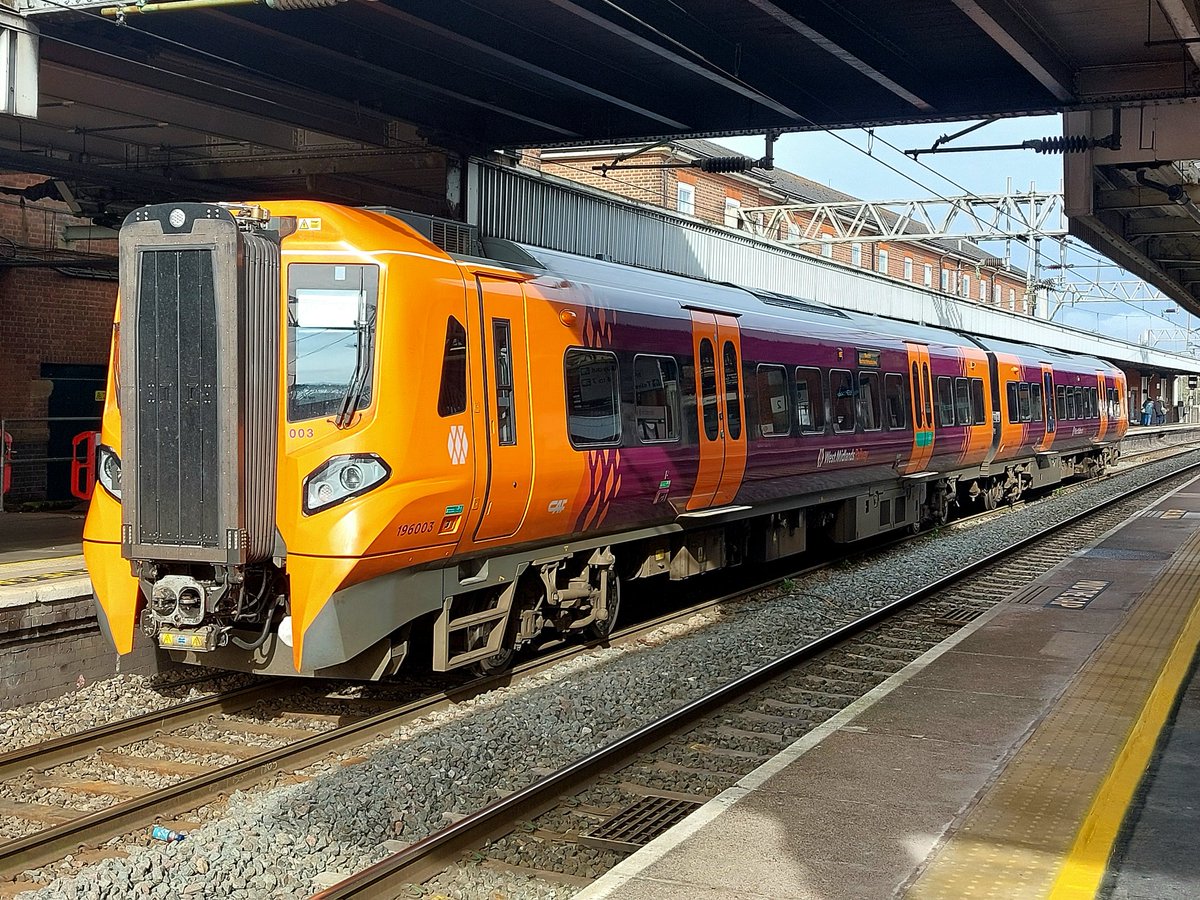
45,561
1087,862
1047,823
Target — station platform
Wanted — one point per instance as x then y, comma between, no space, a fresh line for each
1017,759
41,557
50,641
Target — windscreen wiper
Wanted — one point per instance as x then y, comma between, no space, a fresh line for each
358,381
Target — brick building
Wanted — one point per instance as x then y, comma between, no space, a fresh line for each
57,306
953,267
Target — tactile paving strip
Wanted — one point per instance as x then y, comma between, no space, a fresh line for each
1013,844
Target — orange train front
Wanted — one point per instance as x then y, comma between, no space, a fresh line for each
329,442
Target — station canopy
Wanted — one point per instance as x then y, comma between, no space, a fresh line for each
372,101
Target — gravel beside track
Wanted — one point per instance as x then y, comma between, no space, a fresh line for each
275,843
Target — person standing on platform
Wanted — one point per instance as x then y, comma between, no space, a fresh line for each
1147,411
1160,412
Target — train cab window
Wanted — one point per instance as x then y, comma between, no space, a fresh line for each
733,405
506,425
978,406
1014,409
841,386
945,400
593,413
918,413
330,339
868,401
1060,394
962,401
656,398
452,395
774,414
810,401
895,401
1035,402
708,390
1023,401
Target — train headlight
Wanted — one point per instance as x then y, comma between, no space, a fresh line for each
108,470
338,479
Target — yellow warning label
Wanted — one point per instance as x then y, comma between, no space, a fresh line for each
309,224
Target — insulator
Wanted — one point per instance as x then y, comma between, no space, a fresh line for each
727,164
1062,144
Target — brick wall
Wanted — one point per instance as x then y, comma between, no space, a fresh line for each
45,317
49,649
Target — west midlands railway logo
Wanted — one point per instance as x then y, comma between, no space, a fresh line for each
835,457
457,445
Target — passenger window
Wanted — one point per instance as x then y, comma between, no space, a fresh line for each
733,406
452,395
841,384
895,400
1014,413
1080,407
868,400
978,407
1094,393
1071,404
916,386
1035,402
506,426
962,401
593,413
945,400
1060,394
708,390
1023,395
656,398
774,415
810,401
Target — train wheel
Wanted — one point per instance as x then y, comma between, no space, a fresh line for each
993,496
495,665
599,631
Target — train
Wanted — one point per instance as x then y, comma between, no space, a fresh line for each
334,436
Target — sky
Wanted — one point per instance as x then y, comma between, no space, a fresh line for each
875,168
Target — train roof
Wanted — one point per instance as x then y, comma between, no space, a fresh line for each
769,305
750,303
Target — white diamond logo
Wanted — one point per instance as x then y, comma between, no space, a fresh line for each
456,445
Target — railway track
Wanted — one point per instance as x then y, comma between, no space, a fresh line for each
607,804
229,729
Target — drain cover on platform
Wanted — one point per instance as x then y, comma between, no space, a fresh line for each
960,615
638,824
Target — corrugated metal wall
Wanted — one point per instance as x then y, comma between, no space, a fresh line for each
529,208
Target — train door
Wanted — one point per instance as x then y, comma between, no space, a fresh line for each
716,342
507,413
1047,399
921,389
1102,410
